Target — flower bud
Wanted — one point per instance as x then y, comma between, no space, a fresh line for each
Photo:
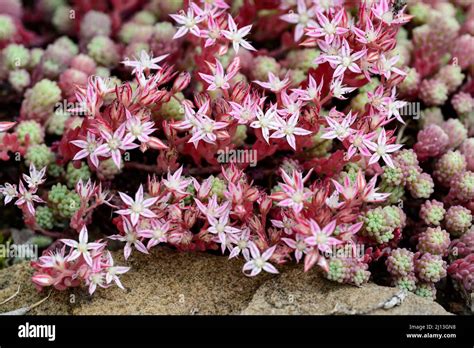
174,212
240,91
42,280
240,211
153,186
181,82
156,144
202,190
255,224
252,194
190,217
265,204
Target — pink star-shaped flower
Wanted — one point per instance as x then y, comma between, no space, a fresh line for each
144,63
220,80
328,29
236,36
131,237
346,60
339,130
321,238
90,148
28,197
382,149
293,194
138,206
259,262
189,22
287,129
114,142
303,18
82,248
175,183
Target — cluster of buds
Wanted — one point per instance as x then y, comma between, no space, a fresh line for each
229,213
24,195
416,272
85,263
436,39
450,171
461,268
61,205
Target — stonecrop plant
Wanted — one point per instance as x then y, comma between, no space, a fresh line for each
272,131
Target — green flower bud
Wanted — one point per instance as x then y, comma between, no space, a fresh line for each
40,100
434,241
164,32
407,283
420,12
35,57
359,102
102,72
49,6
371,86
103,50
432,212
57,121
400,262
262,65
303,59
7,27
64,203
423,187
397,193
40,241
55,170
380,223
337,270
297,76
240,135
392,176
62,19
426,290
430,268
144,17
40,155
44,217
458,220
16,56
67,44
19,79
189,198
172,109
107,169
31,128
73,175
321,146
218,187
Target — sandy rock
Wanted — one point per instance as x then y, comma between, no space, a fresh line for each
164,282
19,276
296,292
168,282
